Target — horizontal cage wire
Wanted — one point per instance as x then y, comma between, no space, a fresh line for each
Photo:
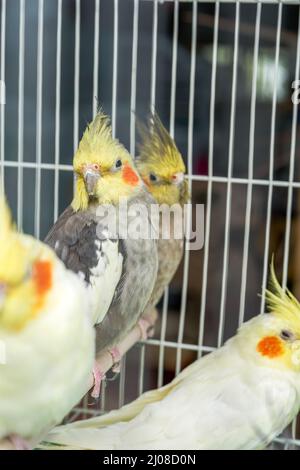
219,74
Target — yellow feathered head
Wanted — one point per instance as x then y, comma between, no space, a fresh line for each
274,338
282,303
160,164
104,169
25,279
14,257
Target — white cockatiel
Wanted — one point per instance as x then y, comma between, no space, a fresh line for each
46,336
239,397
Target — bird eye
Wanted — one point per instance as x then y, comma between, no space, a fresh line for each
286,335
152,177
118,163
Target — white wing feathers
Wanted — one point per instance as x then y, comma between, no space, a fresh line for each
104,278
208,406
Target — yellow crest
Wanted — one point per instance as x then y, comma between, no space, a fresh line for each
98,145
281,301
157,145
96,132
5,219
13,254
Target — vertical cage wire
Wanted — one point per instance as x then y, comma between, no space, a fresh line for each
57,111
291,170
115,68
96,58
271,159
2,77
164,314
135,33
152,107
154,55
189,172
122,382
39,105
21,112
76,76
210,174
250,167
229,176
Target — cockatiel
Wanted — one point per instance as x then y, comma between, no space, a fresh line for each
46,336
161,167
240,396
119,269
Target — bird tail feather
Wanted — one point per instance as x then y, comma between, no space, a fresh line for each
87,434
102,432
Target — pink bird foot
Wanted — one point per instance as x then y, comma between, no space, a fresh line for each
151,331
144,326
98,377
19,443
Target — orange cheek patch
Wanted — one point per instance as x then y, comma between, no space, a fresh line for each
270,346
130,176
42,276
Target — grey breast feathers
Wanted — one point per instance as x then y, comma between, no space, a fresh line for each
135,286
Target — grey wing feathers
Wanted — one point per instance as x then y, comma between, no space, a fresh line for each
71,237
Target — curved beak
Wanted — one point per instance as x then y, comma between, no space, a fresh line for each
91,177
178,178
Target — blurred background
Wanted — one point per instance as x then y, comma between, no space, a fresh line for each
273,222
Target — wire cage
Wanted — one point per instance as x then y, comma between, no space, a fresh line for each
220,75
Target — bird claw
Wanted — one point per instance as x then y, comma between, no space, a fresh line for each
113,377
116,359
98,377
151,331
115,354
116,368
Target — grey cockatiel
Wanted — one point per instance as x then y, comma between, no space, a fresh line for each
162,169
119,272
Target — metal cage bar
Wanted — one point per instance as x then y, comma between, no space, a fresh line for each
21,111
134,76
2,76
291,170
96,58
271,165
210,178
172,131
115,68
57,110
250,167
190,171
76,76
39,107
229,177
